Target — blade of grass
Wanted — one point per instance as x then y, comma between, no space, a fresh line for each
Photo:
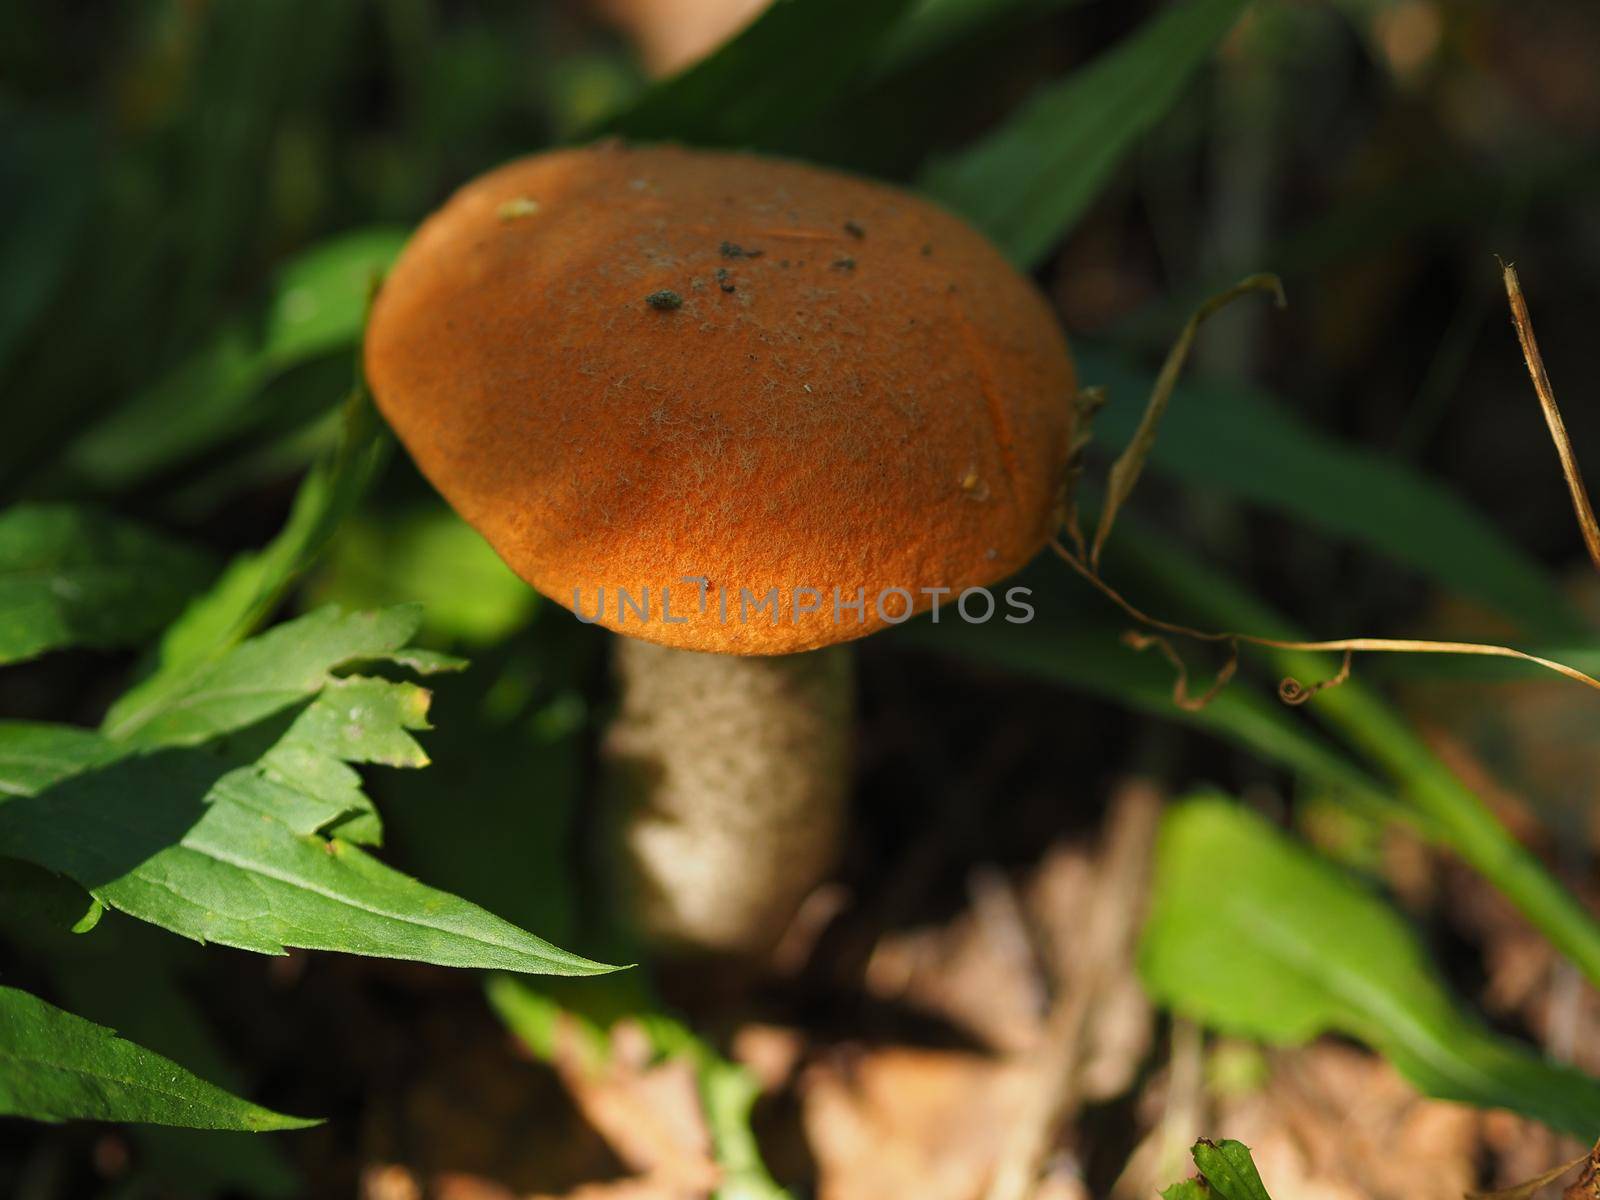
1027,182
1234,441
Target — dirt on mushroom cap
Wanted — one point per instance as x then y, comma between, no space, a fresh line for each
900,424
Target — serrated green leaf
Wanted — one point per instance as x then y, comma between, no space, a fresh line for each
72,576
265,675
787,66
255,583
1229,1169
1188,1189
58,1067
184,839
1253,934
352,721
1026,183
213,818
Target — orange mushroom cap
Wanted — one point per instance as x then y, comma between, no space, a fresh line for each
640,368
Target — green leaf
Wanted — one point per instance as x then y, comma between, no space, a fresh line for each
58,1067
320,301
185,840
936,26
429,555
787,66
265,675
1229,1170
1189,1189
1027,182
255,583
213,817
1253,934
151,1006
1228,438
35,754
72,576
351,721
317,306
1453,815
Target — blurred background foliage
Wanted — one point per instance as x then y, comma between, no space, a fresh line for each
195,197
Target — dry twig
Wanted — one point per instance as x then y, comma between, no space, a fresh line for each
1113,924
1291,690
1552,415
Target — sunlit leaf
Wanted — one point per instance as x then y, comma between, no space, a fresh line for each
1229,1169
1253,934
431,556
254,583
265,675
191,823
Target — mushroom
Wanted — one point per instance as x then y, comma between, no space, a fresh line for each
740,411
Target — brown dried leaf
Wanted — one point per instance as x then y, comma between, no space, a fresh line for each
1587,1185
907,1122
1337,1123
1583,1189
649,1113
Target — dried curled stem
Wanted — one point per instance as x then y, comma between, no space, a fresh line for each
1291,690
1130,463
1126,470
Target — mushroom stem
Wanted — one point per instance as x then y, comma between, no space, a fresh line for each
728,778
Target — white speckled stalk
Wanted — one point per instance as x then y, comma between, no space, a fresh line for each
729,777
